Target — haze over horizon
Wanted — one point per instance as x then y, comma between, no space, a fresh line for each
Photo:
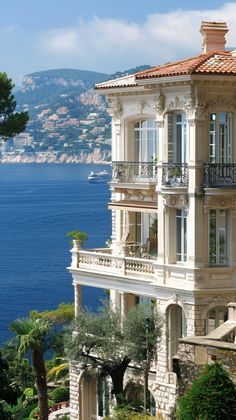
48,35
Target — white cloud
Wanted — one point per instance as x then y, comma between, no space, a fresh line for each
110,44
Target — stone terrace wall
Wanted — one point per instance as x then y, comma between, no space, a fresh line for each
196,352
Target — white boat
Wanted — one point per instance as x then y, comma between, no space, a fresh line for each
98,177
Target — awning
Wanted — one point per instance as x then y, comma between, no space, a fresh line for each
139,206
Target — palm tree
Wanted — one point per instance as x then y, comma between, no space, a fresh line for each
30,334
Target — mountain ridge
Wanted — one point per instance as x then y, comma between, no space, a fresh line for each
67,117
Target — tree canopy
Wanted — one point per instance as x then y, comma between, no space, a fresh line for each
11,122
211,397
101,342
64,314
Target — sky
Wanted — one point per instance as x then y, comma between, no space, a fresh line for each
104,35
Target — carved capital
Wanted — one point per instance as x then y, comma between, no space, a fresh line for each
176,200
159,104
115,107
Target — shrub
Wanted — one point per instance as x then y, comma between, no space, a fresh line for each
212,396
60,394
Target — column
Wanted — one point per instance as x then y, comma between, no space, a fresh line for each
77,298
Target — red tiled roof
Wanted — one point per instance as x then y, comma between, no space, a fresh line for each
213,62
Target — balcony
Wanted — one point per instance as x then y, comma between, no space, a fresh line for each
103,262
175,175
132,172
218,175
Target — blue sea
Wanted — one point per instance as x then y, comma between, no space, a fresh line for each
39,204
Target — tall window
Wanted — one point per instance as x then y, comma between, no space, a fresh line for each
177,138
218,252
220,137
181,235
145,141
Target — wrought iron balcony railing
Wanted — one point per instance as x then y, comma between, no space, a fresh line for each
134,172
175,174
219,175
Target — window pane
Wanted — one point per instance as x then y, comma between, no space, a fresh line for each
181,235
212,237
222,237
218,237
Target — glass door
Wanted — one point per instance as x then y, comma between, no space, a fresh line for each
220,137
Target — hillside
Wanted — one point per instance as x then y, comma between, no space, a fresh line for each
68,119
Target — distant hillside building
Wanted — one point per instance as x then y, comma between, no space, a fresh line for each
173,204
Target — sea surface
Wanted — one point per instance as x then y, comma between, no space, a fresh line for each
39,204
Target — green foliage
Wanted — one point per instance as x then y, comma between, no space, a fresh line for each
60,394
128,413
32,414
60,370
20,372
11,122
211,397
64,314
30,333
22,410
78,235
103,344
7,392
142,329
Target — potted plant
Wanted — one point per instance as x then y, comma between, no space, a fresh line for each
176,172
78,237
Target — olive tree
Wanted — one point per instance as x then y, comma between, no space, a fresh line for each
101,342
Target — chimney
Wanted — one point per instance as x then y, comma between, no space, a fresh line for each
213,36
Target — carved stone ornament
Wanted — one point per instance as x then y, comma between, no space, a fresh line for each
221,102
200,104
142,106
159,104
189,106
219,201
114,107
176,104
177,200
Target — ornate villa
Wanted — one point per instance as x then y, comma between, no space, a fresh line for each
173,204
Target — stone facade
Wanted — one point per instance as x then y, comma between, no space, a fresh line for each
173,210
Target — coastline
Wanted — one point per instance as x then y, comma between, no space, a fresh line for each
53,158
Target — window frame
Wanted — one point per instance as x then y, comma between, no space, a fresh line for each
145,140
215,223
181,231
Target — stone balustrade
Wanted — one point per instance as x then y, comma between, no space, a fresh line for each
114,264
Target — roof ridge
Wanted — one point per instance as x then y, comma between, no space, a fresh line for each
202,59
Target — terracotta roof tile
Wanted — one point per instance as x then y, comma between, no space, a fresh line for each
214,62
